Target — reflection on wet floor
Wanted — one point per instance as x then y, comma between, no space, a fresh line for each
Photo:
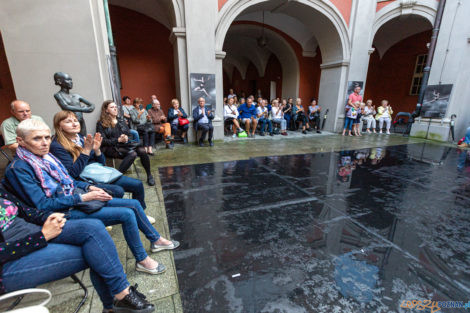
354,231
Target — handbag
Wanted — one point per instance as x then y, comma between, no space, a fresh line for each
182,121
88,207
147,127
98,173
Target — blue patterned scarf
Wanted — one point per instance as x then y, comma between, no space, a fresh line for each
51,175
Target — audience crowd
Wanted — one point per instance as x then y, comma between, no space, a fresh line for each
52,219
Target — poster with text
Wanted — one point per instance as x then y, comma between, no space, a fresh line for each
351,86
436,100
203,85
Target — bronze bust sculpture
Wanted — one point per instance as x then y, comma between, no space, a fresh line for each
71,101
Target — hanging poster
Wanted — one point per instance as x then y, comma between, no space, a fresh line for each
203,85
351,86
436,100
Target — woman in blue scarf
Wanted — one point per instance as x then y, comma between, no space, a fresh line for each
41,181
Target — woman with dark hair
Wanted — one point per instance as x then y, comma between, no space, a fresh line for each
314,114
116,144
37,247
139,118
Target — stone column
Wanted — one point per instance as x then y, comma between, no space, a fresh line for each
332,93
451,62
200,18
178,40
360,26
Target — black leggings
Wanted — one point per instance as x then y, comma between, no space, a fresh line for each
302,118
128,158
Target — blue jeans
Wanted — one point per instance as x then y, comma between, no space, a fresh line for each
130,214
82,244
134,135
287,117
348,123
262,121
128,184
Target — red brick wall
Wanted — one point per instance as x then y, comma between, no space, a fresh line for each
7,90
390,77
381,5
344,7
145,56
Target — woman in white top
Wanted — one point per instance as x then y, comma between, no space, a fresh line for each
231,114
384,114
278,116
369,112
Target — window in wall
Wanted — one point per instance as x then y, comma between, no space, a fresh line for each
418,74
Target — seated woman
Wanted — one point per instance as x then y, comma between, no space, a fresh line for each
314,115
278,116
299,115
231,115
37,247
41,181
75,152
384,114
116,140
140,117
173,114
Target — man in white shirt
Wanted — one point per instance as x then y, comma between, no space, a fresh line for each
263,119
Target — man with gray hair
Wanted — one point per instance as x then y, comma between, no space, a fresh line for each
21,111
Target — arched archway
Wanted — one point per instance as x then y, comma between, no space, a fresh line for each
396,65
243,37
317,24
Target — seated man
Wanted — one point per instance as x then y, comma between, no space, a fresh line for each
248,117
21,111
160,123
153,98
263,118
203,121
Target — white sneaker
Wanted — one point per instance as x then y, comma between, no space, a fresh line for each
154,271
234,136
151,219
388,132
380,131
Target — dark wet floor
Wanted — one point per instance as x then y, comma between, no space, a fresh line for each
355,231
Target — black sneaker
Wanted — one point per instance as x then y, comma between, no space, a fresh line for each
134,302
211,143
318,132
261,134
150,181
271,134
304,132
